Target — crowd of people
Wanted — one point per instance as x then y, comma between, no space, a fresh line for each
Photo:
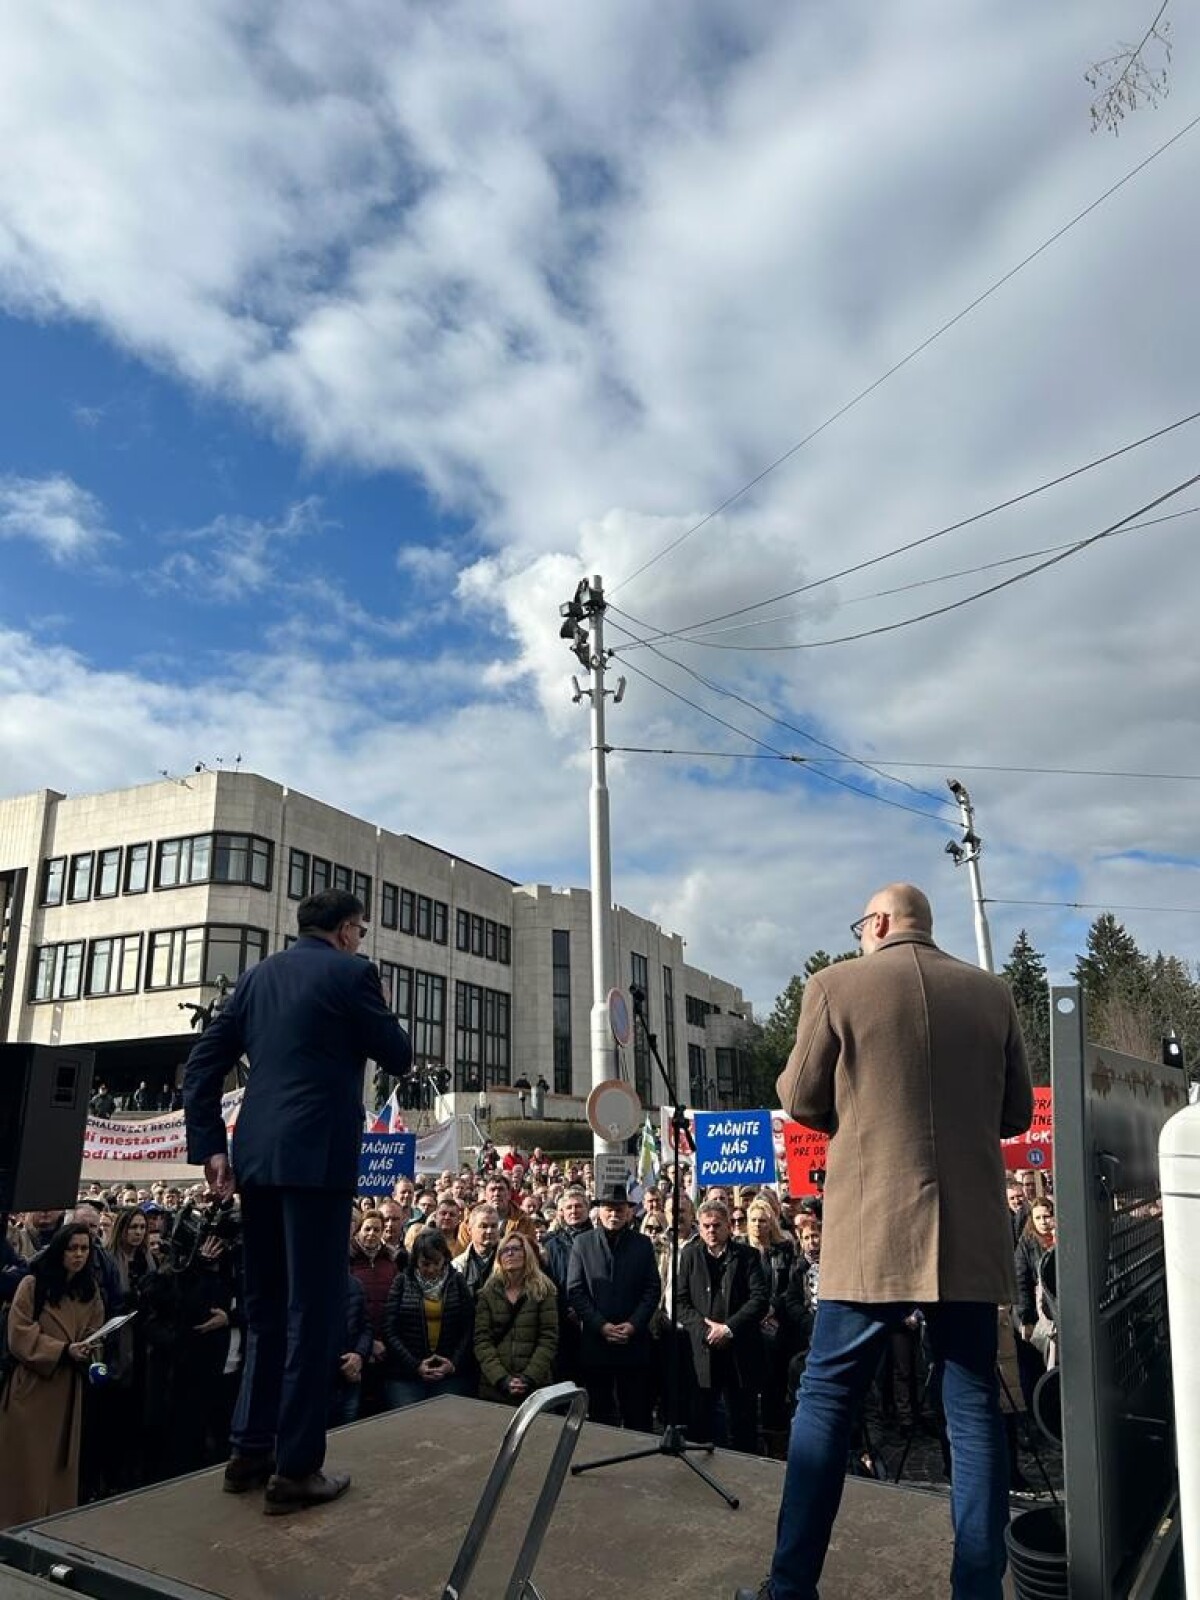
488,1283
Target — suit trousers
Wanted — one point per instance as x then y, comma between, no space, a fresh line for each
847,1342
294,1250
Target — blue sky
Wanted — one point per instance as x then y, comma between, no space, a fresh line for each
337,343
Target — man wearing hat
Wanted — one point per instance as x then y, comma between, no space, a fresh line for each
613,1288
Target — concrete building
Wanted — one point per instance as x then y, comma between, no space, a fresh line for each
122,915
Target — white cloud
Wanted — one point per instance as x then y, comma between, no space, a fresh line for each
55,513
587,270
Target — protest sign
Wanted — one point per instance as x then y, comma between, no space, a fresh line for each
1034,1149
804,1152
734,1147
386,1157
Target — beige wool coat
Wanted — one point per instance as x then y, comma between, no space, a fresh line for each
42,1407
914,1063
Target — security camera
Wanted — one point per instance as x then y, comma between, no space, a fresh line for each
956,789
956,852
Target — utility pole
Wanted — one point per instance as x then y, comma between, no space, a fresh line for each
966,854
588,604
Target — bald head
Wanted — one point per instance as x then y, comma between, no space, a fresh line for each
900,908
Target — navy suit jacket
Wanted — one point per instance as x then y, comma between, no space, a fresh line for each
308,1019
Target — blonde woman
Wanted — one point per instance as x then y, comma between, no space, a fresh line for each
516,1324
777,1256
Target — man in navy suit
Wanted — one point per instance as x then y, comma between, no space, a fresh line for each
307,1019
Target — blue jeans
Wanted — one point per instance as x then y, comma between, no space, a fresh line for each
846,1345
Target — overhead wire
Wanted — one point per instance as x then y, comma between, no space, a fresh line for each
927,538
796,760
917,350
925,583
726,692
1095,905
1074,549
940,766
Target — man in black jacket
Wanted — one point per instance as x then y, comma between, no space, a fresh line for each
723,1298
308,1019
613,1288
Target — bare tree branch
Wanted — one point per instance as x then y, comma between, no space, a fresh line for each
1130,78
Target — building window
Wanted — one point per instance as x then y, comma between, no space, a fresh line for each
297,874
176,958
230,858
639,977
669,1025
341,878
697,1011
182,957
561,978
441,919
489,939
362,891
476,935
462,930
729,1086
108,874
468,1036
321,871
389,905
424,917
697,1090
429,1017
397,989
407,911
183,861
137,868
229,951
54,878
497,1037
503,944
79,880
58,971
113,965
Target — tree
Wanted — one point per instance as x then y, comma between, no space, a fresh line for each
1132,76
1114,969
1025,971
778,1034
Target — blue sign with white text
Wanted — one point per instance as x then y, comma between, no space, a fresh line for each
386,1157
734,1147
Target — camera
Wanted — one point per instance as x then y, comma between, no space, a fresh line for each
218,1219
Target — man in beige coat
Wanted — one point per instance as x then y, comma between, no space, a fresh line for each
913,1062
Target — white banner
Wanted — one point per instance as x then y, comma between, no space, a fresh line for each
165,1139
154,1139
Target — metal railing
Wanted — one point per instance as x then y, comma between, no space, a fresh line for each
560,1396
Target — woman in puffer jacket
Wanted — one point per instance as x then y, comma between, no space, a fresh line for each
516,1325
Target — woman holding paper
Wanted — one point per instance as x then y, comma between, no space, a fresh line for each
55,1312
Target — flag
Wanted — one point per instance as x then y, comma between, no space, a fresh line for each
390,1119
647,1169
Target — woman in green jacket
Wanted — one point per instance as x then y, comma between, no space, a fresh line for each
516,1324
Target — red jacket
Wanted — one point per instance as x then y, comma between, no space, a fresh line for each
376,1279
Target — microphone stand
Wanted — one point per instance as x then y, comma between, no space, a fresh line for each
673,1442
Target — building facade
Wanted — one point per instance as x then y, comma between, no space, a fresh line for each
123,915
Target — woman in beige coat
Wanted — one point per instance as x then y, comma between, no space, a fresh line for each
54,1312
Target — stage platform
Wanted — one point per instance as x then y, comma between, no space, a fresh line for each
649,1528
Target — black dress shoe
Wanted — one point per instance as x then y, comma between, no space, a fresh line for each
294,1494
763,1592
247,1472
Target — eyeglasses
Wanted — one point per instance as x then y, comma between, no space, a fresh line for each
360,928
856,928
738,1216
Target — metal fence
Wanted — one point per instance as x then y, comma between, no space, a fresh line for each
1118,1430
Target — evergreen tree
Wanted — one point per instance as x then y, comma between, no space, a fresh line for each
1113,968
1025,971
778,1034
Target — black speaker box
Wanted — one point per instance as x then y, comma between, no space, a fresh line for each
44,1094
